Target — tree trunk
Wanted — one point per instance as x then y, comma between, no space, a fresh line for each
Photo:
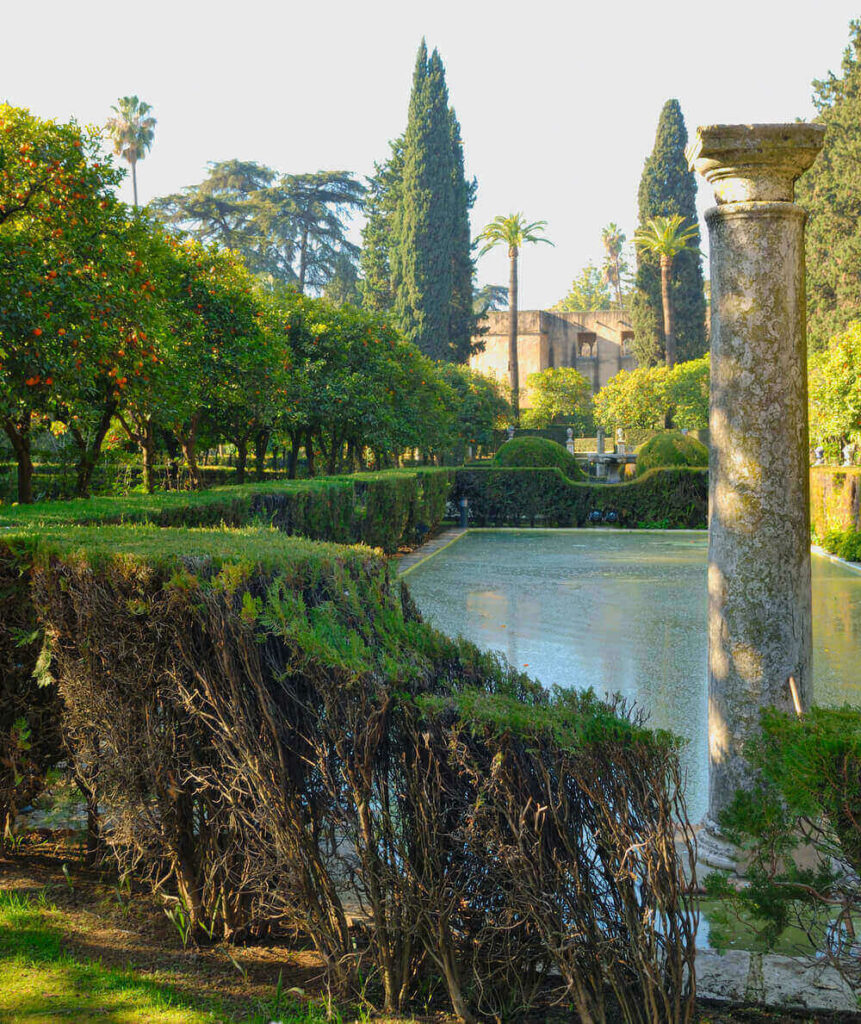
135,181
261,443
241,459
147,445
667,303
293,458
188,442
303,261
333,454
513,369
174,450
19,438
145,440
89,453
309,452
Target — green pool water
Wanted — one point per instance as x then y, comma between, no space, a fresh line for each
621,612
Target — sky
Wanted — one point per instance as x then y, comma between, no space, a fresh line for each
558,102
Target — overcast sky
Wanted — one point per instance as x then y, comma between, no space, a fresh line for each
558,102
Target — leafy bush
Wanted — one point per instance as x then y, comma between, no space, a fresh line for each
276,734
843,543
538,452
524,497
671,449
801,828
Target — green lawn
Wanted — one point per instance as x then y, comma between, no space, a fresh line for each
42,984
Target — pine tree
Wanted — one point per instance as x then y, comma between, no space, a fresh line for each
667,187
422,258
831,194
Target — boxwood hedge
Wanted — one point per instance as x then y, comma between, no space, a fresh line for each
668,498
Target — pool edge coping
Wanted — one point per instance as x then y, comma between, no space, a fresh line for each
852,566
815,549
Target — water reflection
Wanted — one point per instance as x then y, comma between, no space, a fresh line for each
621,612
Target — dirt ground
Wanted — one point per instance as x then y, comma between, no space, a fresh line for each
131,931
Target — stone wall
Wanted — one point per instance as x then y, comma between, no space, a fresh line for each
835,499
597,343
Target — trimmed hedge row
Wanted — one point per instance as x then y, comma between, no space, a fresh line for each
667,498
835,500
276,737
387,510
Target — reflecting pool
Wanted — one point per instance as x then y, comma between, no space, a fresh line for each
622,612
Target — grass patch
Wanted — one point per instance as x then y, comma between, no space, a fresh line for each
41,983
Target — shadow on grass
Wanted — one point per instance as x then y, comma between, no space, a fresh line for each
40,983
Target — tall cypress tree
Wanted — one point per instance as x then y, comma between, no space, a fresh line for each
462,320
667,187
416,245
422,257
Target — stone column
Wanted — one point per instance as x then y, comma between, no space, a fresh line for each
759,506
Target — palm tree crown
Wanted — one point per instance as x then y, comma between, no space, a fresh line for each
667,237
512,231
614,263
132,130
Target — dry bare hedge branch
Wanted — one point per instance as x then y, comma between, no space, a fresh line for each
293,750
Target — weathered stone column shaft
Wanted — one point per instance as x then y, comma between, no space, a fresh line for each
759,519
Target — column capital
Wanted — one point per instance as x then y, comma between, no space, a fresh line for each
754,162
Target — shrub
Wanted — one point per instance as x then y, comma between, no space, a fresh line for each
538,452
672,449
801,828
275,733
843,543
677,498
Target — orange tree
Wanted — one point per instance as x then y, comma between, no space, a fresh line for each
355,386
75,300
219,359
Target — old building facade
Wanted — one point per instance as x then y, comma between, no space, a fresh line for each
597,343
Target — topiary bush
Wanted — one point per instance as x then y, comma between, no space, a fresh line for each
672,449
538,452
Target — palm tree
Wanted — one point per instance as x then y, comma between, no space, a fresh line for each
132,131
614,265
667,237
513,232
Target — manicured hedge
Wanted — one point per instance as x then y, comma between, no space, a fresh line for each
670,498
671,449
387,510
276,737
835,500
538,452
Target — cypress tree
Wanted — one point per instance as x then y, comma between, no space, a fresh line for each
462,320
667,187
416,245
422,258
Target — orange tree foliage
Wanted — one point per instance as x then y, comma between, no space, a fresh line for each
75,296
